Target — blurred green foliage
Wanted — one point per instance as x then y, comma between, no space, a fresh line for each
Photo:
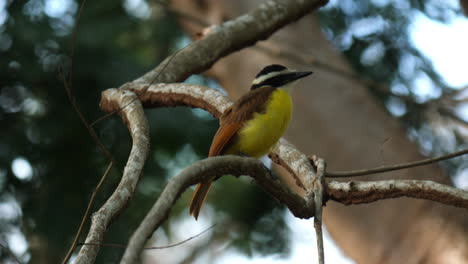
116,43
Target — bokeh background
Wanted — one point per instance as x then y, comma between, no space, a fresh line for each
49,165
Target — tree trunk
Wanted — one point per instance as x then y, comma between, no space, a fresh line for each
339,120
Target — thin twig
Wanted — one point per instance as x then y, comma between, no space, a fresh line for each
74,37
138,126
86,215
90,129
68,84
69,88
116,245
183,241
147,85
207,169
394,167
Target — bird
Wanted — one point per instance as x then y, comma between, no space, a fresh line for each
254,123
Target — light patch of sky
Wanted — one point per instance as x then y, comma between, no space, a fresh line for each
303,247
367,26
22,169
62,11
185,156
59,8
17,242
461,179
396,106
181,229
444,44
32,106
373,53
423,88
10,209
137,8
3,12
462,111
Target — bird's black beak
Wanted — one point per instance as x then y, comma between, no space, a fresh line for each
299,75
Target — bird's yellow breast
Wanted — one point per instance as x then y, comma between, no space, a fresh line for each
261,133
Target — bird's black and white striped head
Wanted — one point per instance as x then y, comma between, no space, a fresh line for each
277,76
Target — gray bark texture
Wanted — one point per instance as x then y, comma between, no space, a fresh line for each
339,120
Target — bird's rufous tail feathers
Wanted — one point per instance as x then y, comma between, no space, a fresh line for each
198,198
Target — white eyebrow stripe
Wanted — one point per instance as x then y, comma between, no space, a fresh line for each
262,78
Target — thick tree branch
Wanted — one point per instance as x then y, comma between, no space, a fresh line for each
229,37
200,55
284,154
137,124
359,192
202,170
182,94
301,206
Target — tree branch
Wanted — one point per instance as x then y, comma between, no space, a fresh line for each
207,169
359,192
199,56
283,154
229,37
86,214
301,206
137,124
190,95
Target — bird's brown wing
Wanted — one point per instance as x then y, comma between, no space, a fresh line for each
224,137
234,118
231,122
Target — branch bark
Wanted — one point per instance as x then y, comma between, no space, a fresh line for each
339,120
359,192
284,154
231,36
135,119
190,95
199,56
204,169
301,206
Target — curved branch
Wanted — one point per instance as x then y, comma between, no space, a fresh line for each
180,94
359,192
137,124
202,170
304,207
191,95
229,37
222,40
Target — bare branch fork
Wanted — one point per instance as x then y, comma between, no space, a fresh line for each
233,35
297,163
130,99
